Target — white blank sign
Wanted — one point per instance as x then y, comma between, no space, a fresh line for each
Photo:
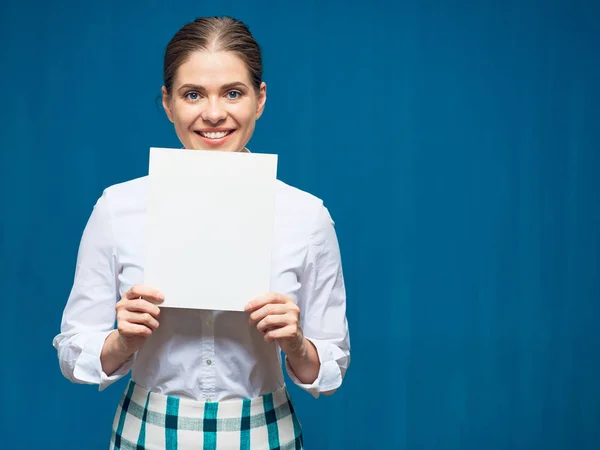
210,227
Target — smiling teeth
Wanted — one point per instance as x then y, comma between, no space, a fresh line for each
214,134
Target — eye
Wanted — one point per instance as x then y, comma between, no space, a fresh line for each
192,96
233,95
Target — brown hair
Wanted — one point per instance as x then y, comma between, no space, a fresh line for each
214,34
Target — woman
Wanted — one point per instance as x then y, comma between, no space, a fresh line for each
207,378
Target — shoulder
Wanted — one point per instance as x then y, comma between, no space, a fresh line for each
297,198
137,185
303,208
127,195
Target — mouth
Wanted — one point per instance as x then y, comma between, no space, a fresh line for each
214,137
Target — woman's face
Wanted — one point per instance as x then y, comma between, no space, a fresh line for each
212,103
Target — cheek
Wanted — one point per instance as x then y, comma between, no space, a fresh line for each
245,111
184,116
246,117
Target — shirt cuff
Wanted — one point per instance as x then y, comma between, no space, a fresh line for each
88,368
330,375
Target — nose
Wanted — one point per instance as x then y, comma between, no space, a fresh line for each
214,111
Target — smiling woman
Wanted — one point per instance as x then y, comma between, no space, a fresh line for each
210,379
214,92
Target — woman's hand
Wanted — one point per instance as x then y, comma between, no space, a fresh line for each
278,317
137,316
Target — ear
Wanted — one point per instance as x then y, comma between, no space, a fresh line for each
262,99
165,102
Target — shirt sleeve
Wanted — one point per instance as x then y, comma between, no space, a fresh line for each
89,315
322,302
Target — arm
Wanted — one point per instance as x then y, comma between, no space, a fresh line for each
89,316
313,334
322,302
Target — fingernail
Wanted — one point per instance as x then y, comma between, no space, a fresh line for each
161,296
248,306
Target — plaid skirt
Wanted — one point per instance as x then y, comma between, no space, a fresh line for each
147,420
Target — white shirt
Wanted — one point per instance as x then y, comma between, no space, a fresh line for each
201,354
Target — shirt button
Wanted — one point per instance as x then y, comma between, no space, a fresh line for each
209,362
209,322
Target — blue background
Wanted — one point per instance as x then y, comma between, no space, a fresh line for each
457,146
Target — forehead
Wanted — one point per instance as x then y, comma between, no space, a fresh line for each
208,69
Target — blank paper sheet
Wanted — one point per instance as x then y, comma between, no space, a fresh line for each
210,227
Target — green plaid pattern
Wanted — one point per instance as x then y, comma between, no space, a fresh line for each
148,421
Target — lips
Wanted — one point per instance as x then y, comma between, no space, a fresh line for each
215,135
215,138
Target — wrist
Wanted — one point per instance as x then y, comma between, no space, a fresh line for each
301,351
120,346
113,354
305,362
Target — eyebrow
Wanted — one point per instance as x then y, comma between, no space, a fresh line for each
225,87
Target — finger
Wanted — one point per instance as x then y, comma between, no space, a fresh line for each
146,292
288,331
142,306
127,329
271,308
272,321
140,319
261,301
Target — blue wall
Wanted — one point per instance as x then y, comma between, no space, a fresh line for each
456,144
